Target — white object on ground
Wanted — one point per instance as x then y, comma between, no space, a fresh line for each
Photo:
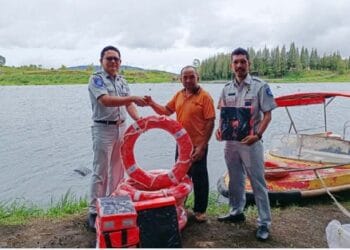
338,235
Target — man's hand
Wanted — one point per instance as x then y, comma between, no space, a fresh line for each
139,101
198,152
218,134
250,139
148,100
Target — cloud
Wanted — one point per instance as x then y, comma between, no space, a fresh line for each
165,33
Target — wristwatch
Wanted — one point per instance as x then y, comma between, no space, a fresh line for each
259,135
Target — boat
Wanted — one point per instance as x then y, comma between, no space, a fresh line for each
304,164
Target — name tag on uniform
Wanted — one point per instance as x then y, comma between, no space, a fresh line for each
231,94
247,103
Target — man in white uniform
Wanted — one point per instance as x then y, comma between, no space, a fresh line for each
246,156
111,100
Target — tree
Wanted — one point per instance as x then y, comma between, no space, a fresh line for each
314,59
339,63
276,62
266,61
293,60
2,60
258,63
283,60
90,67
304,58
251,53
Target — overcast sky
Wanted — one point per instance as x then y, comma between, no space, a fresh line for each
164,34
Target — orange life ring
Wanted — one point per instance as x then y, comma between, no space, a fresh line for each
138,193
182,165
181,217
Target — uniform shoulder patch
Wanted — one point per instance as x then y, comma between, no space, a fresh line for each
226,84
268,92
98,81
256,79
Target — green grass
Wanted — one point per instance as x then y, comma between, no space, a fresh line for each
18,212
313,76
215,207
38,76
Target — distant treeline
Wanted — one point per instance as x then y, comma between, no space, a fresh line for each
275,63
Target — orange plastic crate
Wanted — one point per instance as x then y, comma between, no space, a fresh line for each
115,213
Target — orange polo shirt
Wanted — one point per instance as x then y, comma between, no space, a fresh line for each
193,112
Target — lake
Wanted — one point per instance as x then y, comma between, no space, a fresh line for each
45,135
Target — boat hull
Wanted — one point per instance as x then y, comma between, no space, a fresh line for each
286,183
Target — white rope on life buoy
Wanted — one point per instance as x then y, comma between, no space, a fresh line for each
161,180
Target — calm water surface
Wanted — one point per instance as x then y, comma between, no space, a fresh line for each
45,135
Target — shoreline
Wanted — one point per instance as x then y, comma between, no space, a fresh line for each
270,81
300,225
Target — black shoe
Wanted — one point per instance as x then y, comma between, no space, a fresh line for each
91,222
262,233
237,218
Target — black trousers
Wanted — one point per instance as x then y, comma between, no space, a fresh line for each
199,175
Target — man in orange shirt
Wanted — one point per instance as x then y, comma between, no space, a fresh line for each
195,111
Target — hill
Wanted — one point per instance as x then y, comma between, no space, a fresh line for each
33,75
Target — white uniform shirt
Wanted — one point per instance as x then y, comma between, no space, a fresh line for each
101,83
251,92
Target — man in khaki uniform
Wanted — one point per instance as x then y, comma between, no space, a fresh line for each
247,156
111,101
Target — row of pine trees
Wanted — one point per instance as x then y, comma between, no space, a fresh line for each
275,63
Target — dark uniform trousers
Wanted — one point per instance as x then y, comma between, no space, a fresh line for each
199,175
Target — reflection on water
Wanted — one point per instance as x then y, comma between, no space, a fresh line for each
45,135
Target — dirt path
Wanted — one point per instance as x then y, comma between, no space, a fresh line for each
301,227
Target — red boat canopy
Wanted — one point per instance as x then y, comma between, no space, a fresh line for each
307,98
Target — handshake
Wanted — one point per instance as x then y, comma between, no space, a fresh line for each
142,101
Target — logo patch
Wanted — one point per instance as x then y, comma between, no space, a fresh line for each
269,92
98,82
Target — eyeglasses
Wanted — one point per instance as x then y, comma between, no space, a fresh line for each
112,58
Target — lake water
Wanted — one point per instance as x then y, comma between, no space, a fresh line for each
45,135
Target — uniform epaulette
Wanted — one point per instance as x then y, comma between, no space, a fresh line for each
256,79
121,79
98,72
226,84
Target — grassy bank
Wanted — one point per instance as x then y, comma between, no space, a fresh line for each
19,213
312,76
294,226
38,76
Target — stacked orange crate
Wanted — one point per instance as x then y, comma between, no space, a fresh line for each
116,222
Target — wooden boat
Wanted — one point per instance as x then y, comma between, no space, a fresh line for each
304,165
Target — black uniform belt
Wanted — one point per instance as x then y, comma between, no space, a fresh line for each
110,122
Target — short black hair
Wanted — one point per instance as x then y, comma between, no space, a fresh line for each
109,48
240,51
189,67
